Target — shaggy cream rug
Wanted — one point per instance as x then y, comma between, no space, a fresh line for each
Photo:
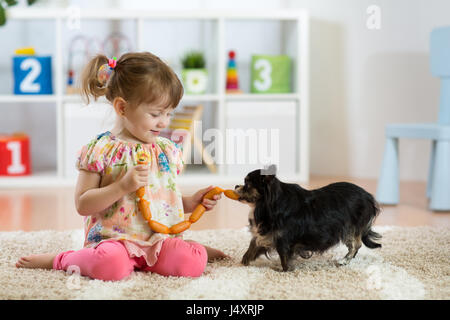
414,263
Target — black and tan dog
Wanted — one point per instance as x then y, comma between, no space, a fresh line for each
291,220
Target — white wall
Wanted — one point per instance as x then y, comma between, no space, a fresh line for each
360,79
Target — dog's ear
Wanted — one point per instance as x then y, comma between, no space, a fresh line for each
272,189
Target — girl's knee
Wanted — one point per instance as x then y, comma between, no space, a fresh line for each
192,261
111,262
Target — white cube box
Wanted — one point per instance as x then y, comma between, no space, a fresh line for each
82,124
265,131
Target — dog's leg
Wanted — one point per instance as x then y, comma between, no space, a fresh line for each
285,263
353,246
285,257
305,254
253,252
356,245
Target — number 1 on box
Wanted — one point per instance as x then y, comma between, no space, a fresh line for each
16,166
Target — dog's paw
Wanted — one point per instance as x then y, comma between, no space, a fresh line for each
281,269
306,255
342,262
277,268
245,261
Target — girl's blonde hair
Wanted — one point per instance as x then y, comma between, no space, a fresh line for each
139,77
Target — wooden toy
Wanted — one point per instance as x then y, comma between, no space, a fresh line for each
79,46
26,51
15,157
232,74
144,207
181,130
116,44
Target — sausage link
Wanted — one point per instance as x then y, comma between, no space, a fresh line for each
211,193
158,227
231,194
144,207
140,192
197,213
180,227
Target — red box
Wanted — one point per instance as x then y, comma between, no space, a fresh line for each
15,157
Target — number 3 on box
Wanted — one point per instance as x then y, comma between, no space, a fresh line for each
265,75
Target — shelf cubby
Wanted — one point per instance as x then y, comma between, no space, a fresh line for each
168,34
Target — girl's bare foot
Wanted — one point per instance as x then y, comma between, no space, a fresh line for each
41,261
214,254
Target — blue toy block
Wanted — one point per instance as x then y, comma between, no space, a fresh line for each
32,75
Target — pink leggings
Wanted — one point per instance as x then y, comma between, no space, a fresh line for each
110,260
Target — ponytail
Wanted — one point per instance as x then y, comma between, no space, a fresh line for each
90,84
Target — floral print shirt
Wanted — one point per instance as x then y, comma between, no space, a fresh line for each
111,157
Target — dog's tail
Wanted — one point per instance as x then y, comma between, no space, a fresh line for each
369,237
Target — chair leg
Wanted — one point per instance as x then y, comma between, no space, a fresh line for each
440,196
431,170
388,189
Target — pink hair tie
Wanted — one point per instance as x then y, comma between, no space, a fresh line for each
112,62
105,70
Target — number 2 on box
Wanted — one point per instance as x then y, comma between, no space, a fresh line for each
27,84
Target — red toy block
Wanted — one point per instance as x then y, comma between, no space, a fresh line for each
15,157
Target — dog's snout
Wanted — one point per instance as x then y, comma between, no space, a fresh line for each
236,186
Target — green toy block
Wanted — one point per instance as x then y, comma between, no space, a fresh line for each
270,74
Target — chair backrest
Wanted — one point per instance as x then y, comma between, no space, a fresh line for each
440,67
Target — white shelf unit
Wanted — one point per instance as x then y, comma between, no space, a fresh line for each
295,22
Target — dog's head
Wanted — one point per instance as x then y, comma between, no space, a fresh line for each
258,185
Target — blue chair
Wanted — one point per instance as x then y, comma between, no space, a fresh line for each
438,185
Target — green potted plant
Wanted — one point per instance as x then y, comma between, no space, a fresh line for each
9,3
194,73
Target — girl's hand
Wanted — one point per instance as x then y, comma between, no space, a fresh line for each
197,199
135,178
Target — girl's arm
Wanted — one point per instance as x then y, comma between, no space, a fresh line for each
187,204
89,198
190,203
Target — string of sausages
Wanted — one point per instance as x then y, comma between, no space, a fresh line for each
144,207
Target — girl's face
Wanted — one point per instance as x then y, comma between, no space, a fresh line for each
147,121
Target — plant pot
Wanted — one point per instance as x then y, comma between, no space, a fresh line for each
195,81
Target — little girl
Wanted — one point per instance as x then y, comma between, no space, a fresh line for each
143,91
